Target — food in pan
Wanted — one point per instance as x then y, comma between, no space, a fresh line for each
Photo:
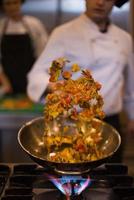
73,104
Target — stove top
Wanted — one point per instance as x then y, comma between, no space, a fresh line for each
29,182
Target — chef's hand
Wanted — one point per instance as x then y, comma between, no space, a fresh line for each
5,86
130,126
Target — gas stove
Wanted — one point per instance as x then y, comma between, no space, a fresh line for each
32,182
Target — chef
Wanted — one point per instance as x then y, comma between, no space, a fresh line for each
22,39
94,42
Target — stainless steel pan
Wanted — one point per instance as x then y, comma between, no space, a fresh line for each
31,135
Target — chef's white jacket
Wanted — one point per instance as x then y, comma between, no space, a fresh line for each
33,26
108,55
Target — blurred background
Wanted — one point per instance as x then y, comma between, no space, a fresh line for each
53,13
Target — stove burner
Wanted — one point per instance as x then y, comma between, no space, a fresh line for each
70,185
93,194
58,196
27,182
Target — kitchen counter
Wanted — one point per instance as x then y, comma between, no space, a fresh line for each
14,112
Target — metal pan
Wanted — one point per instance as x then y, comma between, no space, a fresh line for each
31,134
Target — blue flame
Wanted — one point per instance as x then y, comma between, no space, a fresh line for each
70,185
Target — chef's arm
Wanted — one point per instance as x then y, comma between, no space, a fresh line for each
5,86
38,77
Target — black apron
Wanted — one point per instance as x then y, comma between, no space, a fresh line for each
17,57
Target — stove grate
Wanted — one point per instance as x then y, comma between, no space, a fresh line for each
28,182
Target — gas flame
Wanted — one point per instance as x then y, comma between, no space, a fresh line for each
70,185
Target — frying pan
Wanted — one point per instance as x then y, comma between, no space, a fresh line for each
31,135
